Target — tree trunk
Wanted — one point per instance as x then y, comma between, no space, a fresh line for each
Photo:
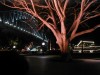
66,55
65,50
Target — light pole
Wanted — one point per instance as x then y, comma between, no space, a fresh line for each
82,46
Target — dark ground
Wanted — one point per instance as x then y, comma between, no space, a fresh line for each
52,65
11,63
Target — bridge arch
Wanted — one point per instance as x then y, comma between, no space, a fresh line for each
22,21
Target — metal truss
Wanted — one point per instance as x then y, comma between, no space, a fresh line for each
22,21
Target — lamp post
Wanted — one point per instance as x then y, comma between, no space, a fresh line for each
82,46
43,43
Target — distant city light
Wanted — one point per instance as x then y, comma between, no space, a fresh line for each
80,51
6,22
14,26
43,43
14,46
21,29
28,49
91,51
0,20
18,27
10,24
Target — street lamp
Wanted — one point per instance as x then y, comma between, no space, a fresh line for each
43,43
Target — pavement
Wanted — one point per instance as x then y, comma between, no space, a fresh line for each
52,65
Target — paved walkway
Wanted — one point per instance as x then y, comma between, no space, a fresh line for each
51,65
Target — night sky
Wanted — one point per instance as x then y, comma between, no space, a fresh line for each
94,36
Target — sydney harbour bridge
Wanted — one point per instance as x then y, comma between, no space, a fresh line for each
22,22
19,20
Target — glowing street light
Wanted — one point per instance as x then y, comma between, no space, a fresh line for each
43,43
14,47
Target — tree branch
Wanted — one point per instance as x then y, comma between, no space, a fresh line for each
57,9
88,18
77,21
33,6
85,31
88,4
51,12
65,6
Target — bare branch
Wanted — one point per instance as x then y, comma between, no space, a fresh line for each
57,9
33,6
86,31
42,25
51,12
88,18
65,5
55,12
88,4
77,21
41,6
60,7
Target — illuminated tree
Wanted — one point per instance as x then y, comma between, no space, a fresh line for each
54,15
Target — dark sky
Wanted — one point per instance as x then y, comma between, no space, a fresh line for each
94,36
